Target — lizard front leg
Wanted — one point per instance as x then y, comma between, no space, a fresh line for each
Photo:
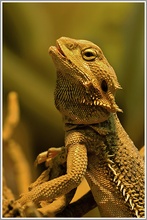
76,168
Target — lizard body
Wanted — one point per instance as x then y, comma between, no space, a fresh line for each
98,147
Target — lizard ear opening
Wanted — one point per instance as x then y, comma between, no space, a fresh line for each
104,86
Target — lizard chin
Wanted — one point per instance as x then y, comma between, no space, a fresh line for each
82,113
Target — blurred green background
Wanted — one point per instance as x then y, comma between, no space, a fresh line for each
28,31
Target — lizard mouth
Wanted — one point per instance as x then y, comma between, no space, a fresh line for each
59,49
56,51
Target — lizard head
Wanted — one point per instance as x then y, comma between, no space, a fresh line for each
86,82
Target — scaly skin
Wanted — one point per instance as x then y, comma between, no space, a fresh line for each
98,147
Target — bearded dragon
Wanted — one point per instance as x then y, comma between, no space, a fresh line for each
98,148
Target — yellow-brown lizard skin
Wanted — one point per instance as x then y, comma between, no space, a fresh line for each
98,147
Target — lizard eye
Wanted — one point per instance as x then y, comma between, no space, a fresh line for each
104,86
89,54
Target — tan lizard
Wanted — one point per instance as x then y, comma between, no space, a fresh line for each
98,146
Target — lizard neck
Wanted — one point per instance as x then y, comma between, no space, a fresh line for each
106,127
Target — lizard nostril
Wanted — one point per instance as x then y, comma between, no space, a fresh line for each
104,86
71,46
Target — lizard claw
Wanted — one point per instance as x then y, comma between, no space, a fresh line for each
60,153
53,152
48,156
41,158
